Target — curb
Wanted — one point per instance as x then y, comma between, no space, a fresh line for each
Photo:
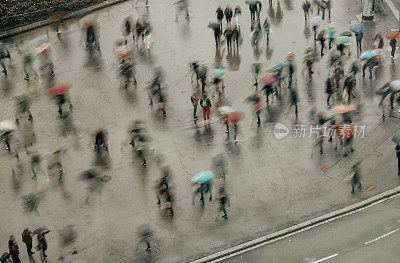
23,29
296,228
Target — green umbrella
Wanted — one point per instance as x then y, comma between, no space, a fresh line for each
218,73
396,139
343,40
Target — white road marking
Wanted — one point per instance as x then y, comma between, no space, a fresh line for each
385,235
328,257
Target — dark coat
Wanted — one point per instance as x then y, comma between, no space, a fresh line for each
27,238
205,102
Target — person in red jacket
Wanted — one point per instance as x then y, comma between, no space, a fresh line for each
205,103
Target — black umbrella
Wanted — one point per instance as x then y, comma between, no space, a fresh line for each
89,174
213,25
202,71
40,230
252,98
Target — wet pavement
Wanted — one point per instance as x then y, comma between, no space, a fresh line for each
272,183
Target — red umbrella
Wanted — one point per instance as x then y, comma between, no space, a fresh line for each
393,34
268,80
234,117
59,89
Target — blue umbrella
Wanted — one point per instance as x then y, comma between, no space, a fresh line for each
356,28
203,177
396,139
277,66
368,54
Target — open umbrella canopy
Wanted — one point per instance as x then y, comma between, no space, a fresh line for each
356,28
253,98
316,21
43,49
368,54
202,71
234,117
344,108
88,20
7,126
224,110
123,51
343,40
277,66
268,80
89,174
396,138
59,89
395,84
218,73
203,177
213,25
393,34
38,41
251,2
40,230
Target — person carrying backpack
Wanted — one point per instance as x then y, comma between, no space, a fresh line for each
205,103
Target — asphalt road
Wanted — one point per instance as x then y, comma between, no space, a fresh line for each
272,184
370,235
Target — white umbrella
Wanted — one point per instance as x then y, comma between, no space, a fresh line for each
316,21
395,84
7,125
225,110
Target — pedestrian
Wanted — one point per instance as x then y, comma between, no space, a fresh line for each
370,64
259,7
27,65
220,16
331,36
92,38
321,40
257,110
217,35
205,103
235,36
267,28
62,100
328,4
4,53
35,165
100,140
354,69
306,9
279,12
253,10
329,90
5,258
359,37
55,167
228,14
349,84
223,201
294,101
195,98
15,252
398,158
378,41
11,241
228,33
356,177
27,239
322,6
392,44
23,108
127,28
236,14
6,136
315,28
42,242
270,3
182,5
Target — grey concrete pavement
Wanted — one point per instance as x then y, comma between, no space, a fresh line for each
371,235
272,184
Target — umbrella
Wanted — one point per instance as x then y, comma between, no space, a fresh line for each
392,34
344,108
202,71
203,177
59,89
89,174
346,33
395,84
253,98
38,41
356,28
40,230
331,25
234,117
368,54
43,48
316,21
224,110
123,51
396,139
218,73
321,34
7,126
251,2
213,25
343,40
268,80
88,20
277,66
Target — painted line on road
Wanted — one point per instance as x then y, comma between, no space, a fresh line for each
392,8
328,257
380,237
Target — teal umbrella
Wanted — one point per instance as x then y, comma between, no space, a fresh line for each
343,40
368,54
396,139
203,177
218,73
